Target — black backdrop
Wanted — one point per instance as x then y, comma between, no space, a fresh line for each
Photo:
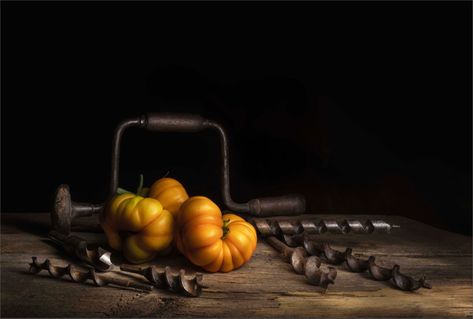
362,107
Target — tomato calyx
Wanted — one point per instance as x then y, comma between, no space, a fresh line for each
225,228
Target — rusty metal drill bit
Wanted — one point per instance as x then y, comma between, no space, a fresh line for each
355,264
408,283
78,247
280,227
166,279
302,264
300,233
378,272
161,278
81,276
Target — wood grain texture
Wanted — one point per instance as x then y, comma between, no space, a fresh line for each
265,287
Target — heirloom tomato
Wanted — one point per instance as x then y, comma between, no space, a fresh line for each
212,241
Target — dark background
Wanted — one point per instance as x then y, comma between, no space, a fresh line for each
362,107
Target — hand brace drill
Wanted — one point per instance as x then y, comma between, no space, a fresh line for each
65,211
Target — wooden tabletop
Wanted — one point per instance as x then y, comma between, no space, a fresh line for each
265,287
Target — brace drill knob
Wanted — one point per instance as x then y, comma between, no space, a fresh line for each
65,210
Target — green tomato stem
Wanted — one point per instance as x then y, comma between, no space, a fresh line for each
140,191
122,191
144,192
225,228
140,185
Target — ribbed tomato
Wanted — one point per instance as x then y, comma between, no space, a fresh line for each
170,193
212,241
138,226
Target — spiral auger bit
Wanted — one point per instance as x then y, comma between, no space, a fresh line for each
82,276
309,266
166,279
358,265
91,254
280,227
300,234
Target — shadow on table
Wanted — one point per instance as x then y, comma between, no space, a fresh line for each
26,223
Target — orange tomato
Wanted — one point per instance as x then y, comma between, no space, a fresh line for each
138,226
170,193
212,241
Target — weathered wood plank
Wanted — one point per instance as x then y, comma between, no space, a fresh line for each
265,287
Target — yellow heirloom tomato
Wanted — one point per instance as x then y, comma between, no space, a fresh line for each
212,241
138,226
170,193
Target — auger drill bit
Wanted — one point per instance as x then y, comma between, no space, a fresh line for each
100,259
166,279
408,283
81,276
299,233
302,264
355,264
78,247
279,227
378,272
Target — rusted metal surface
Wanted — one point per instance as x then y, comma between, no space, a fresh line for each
166,278
292,204
301,227
101,260
82,276
93,255
302,264
360,265
65,211
295,235
116,143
